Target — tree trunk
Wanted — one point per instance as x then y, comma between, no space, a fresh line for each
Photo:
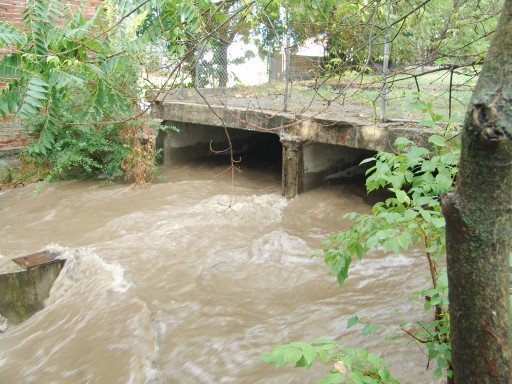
479,223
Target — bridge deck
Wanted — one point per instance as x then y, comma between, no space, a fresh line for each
318,138
306,120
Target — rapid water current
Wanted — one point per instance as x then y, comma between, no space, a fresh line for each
189,281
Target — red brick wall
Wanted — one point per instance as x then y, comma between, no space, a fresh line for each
11,11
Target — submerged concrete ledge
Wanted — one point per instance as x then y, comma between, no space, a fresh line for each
23,292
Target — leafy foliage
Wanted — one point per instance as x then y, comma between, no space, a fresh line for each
353,32
412,213
351,365
74,86
415,177
27,170
5,172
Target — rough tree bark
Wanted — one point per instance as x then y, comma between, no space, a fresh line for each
479,223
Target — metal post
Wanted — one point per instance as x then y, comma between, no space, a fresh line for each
385,71
197,69
286,72
180,89
385,67
270,67
197,65
286,60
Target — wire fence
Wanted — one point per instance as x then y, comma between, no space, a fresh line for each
301,77
294,81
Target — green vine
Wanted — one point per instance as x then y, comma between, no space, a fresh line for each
411,216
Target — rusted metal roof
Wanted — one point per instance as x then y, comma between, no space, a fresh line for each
36,259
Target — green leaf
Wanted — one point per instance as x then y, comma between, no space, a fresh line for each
9,35
36,80
438,222
415,152
333,378
350,216
401,142
34,102
426,215
360,250
309,354
436,117
404,239
36,94
356,377
353,321
27,110
384,374
52,59
266,357
291,355
374,359
437,140
402,196
370,328
391,245
427,123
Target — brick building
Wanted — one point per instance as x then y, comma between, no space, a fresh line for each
11,11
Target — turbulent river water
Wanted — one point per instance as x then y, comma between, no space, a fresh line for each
189,281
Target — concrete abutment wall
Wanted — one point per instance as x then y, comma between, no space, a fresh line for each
23,292
314,144
303,164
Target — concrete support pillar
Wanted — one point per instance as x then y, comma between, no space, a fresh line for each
293,167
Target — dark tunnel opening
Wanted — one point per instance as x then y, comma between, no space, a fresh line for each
257,151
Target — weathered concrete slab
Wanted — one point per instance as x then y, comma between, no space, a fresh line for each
12,140
23,293
36,259
307,136
9,155
320,124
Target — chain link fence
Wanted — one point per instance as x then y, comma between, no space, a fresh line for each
299,78
235,74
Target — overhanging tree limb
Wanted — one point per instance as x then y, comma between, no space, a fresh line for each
479,223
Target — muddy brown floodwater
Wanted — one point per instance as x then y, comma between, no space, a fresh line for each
189,281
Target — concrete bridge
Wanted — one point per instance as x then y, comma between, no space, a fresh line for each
315,140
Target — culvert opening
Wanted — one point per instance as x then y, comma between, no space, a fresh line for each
256,151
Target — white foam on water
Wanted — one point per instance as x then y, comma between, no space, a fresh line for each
143,363
267,207
48,217
184,285
3,324
371,266
85,270
91,305
280,247
172,226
